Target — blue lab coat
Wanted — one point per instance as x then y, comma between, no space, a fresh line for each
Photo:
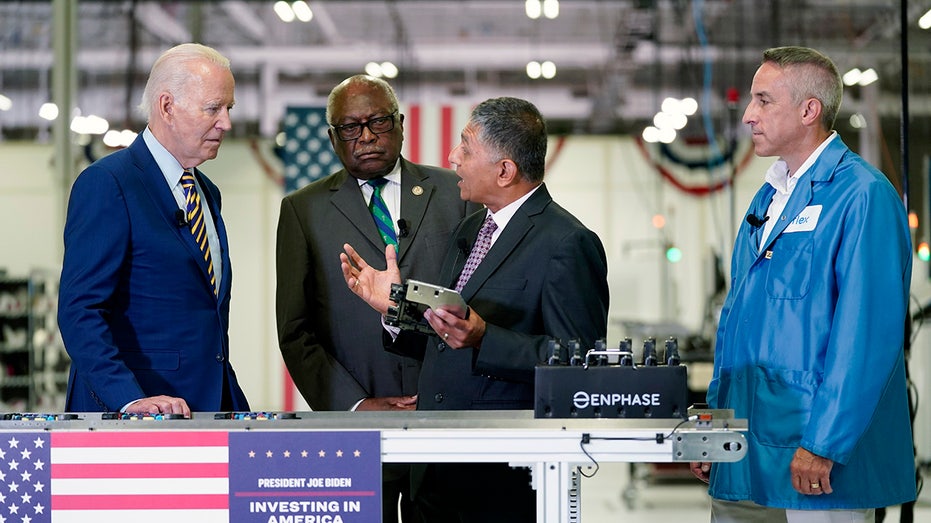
809,347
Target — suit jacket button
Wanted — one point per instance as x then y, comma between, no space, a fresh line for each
441,347
438,397
219,357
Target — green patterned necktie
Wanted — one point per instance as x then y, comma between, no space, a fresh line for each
380,213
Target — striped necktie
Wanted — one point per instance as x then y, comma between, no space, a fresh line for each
380,213
195,218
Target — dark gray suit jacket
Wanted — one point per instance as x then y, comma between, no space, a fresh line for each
545,277
330,339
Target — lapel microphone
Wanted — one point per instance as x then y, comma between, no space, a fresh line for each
403,231
181,218
755,221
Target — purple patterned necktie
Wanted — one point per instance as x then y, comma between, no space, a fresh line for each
479,250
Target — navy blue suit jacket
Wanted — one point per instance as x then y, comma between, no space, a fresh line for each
136,311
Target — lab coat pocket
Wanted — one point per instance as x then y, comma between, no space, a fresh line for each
781,405
790,266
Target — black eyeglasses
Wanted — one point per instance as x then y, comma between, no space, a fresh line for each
352,131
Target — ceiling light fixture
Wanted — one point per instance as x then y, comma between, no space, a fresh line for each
688,106
672,117
857,77
534,69
299,10
114,138
389,70
857,121
302,11
381,70
284,11
533,9
48,111
551,8
654,134
536,8
925,21
869,76
90,124
852,76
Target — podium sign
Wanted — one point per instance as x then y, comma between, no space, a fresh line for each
185,476
312,477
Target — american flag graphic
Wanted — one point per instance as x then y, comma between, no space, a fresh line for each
25,492
308,155
186,476
139,476
430,132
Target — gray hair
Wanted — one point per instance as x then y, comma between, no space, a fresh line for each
816,77
515,129
360,79
170,74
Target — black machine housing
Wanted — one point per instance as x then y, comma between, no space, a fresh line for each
608,384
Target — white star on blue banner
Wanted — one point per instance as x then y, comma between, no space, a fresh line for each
25,495
308,155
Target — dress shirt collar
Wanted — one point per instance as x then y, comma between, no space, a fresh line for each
394,177
504,214
170,167
778,173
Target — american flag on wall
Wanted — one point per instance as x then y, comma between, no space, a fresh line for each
308,155
430,132
179,476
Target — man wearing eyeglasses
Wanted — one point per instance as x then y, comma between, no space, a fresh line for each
330,340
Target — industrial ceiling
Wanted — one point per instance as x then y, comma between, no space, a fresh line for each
616,60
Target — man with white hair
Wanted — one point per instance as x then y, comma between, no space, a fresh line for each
145,284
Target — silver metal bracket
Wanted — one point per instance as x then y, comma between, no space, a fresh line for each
708,446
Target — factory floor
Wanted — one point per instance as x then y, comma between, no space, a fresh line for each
668,493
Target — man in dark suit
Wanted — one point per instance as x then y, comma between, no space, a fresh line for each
544,276
145,283
330,340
